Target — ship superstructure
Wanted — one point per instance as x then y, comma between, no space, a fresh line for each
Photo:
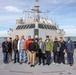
36,26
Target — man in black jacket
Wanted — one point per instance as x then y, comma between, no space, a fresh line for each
32,49
41,51
9,49
15,48
5,51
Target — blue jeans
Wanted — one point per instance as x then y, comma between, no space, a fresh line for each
16,55
5,57
70,58
48,57
22,56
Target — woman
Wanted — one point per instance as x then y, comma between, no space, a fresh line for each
56,48
62,51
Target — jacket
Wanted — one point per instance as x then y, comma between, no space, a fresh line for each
27,43
9,46
42,46
48,45
70,46
15,44
21,44
63,46
56,46
32,47
5,46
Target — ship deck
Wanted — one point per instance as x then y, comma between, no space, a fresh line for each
24,69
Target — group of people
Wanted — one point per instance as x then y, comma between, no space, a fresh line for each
26,50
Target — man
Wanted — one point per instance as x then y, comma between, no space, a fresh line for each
15,48
21,49
41,51
27,42
48,49
9,49
32,50
70,51
5,51
62,51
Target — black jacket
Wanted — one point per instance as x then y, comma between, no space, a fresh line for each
63,46
15,44
56,46
5,46
32,47
9,46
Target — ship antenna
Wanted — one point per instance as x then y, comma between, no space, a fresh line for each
36,10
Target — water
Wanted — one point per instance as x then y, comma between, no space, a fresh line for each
1,40
72,38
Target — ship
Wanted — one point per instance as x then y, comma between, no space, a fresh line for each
36,26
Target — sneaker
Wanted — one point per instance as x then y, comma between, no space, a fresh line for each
30,65
28,62
54,63
43,64
14,62
57,64
33,65
20,62
39,63
71,64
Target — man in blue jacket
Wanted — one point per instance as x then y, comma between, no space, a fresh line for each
70,51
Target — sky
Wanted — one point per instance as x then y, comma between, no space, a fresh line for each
62,12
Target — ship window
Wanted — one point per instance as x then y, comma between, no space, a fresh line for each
41,26
55,28
32,26
17,27
52,27
27,26
48,26
23,27
45,26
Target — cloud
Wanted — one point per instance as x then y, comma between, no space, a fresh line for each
70,32
61,6
12,9
4,34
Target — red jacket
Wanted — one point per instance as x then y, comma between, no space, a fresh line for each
27,43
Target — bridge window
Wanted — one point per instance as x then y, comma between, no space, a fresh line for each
42,26
25,26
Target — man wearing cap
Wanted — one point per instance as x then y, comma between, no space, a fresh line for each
48,49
